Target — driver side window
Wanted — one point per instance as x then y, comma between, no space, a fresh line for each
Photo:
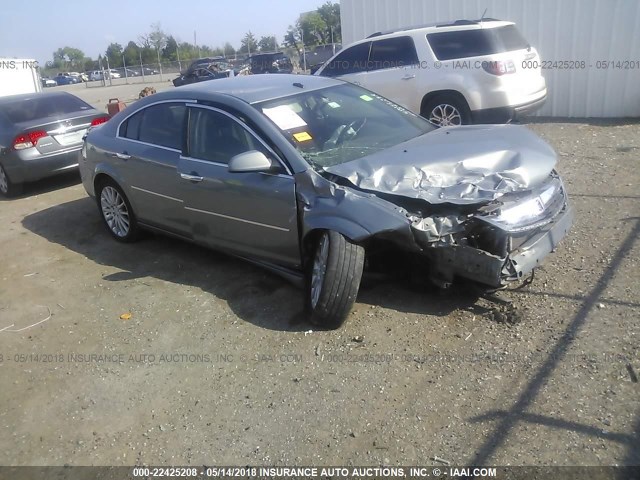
216,137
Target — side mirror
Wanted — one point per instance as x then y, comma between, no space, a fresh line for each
251,161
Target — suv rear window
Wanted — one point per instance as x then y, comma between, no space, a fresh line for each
36,107
476,43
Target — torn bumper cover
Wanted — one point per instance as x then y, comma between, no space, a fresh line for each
494,270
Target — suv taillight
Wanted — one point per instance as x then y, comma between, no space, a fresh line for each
28,140
99,121
499,67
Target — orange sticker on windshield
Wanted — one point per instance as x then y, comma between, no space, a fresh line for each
302,136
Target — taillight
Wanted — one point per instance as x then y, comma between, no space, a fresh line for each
28,140
499,67
99,121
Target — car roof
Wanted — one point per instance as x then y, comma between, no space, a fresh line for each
253,88
455,25
258,55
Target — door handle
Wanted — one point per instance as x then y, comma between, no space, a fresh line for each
408,77
122,156
191,178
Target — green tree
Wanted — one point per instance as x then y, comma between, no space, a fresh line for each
249,43
330,13
268,44
228,50
114,55
131,53
170,51
314,28
292,39
68,58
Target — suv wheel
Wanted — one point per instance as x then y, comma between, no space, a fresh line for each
446,111
7,187
333,279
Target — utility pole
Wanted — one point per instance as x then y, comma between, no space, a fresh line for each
304,52
159,64
141,66
124,67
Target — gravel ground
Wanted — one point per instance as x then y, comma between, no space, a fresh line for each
216,364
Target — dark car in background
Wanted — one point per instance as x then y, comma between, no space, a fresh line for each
145,71
126,72
201,74
270,63
41,135
204,62
204,69
65,79
320,54
310,176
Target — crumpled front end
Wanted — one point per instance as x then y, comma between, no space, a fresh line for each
501,242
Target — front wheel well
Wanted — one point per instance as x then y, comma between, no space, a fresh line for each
100,179
442,93
311,239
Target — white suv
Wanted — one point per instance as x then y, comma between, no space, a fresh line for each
456,73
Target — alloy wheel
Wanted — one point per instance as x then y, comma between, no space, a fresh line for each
115,211
445,115
319,269
4,181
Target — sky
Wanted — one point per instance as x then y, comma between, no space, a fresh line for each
91,25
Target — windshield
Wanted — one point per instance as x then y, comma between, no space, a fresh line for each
339,124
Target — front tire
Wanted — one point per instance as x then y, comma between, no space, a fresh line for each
116,212
7,187
446,111
333,279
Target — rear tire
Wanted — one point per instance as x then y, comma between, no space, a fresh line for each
446,111
7,187
333,279
116,212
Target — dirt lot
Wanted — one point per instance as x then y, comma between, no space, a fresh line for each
216,364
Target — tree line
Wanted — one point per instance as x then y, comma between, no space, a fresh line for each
319,27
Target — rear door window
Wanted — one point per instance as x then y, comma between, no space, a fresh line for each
351,60
393,53
476,43
161,125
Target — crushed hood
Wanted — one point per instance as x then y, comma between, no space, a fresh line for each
460,165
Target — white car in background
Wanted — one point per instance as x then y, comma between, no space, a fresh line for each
467,71
103,74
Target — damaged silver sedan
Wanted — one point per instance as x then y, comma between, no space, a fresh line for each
314,178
